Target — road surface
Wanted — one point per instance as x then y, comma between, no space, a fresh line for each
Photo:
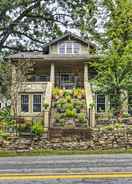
80,166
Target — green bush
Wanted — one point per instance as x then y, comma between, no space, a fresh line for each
37,128
57,92
3,135
70,113
69,106
111,127
67,93
5,116
57,116
82,118
68,99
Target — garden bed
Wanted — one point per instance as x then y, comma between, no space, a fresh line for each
69,108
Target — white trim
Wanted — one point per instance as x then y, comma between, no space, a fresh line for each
65,48
21,102
32,102
96,104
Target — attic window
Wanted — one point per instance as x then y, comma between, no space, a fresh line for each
69,48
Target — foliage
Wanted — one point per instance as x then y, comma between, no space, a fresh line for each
114,74
24,127
5,78
57,92
5,116
46,105
37,128
79,93
68,107
70,113
82,117
111,127
3,135
28,24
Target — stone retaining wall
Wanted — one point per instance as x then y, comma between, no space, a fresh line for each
99,139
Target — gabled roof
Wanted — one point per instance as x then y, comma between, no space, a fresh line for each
70,35
46,46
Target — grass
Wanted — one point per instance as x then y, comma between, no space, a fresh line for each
50,152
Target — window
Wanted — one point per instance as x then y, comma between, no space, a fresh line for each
24,103
76,48
44,78
69,48
36,103
62,48
113,102
130,103
100,103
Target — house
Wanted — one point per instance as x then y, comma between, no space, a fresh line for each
64,63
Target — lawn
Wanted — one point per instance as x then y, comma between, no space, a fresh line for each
50,152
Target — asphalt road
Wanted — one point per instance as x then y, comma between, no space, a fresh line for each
72,163
67,164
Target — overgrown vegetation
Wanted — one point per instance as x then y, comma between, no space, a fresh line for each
114,68
37,128
69,108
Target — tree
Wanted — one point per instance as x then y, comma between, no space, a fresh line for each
4,78
114,69
29,24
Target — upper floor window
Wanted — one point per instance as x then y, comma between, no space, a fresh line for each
69,48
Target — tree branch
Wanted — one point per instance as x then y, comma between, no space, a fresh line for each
9,29
18,49
28,36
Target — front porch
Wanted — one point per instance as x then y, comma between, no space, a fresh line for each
65,75
47,75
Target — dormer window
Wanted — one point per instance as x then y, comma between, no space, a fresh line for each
69,48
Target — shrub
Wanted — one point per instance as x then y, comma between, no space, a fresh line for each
67,93
111,127
119,125
46,106
5,115
57,92
69,106
62,121
57,116
25,127
82,118
126,115
68,99
3,135
79,93
37,128
70,113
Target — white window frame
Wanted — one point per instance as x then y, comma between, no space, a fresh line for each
65,48
104,103
33,103
25,103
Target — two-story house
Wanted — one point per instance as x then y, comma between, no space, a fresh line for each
64,63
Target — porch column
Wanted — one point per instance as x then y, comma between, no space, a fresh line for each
52,73
89,97
13,90
85,74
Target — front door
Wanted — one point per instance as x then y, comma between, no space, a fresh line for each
67,80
